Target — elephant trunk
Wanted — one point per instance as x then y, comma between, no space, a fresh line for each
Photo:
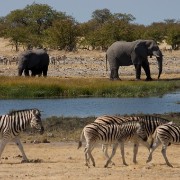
159,57
160,67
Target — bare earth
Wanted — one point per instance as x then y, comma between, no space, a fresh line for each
64,161
89,64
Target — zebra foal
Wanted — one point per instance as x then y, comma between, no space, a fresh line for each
12,124
110,134
150,125
166,135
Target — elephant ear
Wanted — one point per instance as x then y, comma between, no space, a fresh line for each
141,50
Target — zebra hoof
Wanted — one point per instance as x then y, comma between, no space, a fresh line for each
125,164
135,162
113,164
148,160
170,165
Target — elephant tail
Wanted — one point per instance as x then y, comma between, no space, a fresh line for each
106,63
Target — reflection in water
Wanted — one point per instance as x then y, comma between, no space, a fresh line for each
83,107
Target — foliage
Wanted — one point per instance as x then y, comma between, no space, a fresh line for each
173,35
101,16
27,26
62,34
38,25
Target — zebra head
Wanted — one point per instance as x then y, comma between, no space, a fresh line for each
141,131
36,121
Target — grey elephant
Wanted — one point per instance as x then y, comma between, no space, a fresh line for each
36,61
135,53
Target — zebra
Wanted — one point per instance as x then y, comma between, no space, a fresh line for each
111,134
166,135
13,123
150,124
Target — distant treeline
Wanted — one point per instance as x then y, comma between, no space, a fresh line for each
38,25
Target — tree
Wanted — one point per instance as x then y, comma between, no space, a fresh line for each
124,17
173,36
63,34
155,31
101,15
27,26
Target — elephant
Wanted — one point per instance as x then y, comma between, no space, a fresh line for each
36,61
122,53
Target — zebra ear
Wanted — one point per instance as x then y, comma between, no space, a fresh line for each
36,112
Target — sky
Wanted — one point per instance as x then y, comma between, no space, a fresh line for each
145,11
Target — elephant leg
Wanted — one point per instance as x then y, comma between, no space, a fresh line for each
45,71
20,71
26,72
138,71
146,68
114,74
33,73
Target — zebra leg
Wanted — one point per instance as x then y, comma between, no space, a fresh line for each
105,151
112,154
88,155
154,146
18,143
135,151
122,153
163,151
2,146
91,157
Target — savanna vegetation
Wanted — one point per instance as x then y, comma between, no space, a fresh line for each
49,28
70,128
52,87
39,25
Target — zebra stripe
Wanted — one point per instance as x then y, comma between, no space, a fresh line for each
150,125
110,134
151,122
165,134
12,124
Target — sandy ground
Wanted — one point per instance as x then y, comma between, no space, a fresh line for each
63,161
88,65
84,63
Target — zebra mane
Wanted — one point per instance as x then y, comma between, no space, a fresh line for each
12,112
154,116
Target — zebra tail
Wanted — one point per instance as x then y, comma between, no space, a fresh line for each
81,138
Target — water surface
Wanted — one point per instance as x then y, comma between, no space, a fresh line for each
84,107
